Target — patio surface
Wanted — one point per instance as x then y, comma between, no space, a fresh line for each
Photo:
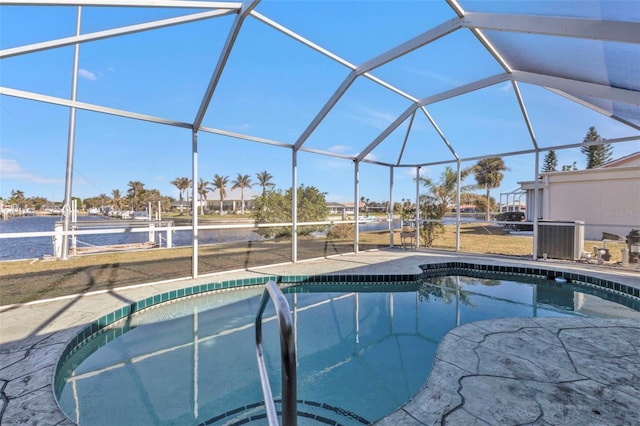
506,371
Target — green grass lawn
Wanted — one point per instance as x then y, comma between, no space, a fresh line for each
28,280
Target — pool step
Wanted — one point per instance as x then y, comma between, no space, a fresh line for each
309,413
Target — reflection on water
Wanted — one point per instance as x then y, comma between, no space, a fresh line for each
362,349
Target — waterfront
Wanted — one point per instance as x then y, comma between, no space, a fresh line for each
39,247
42,246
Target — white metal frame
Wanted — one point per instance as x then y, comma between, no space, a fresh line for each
610,31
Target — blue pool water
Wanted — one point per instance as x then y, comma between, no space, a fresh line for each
363,350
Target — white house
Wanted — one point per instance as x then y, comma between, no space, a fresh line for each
344,209
232,199
606,198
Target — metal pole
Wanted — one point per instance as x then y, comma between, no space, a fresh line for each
68,184
295,324
74,220
194,213
457,301
391,206
458,208
536,200
294,206
356,204
418,207
288,358
196,357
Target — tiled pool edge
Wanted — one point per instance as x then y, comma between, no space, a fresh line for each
451,268
428,270
102,323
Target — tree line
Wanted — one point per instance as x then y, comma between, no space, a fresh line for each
137,196
596,150
488,174
220,183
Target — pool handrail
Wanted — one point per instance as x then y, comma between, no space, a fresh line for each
287,357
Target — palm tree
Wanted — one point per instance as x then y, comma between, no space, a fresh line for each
17,197
488,174
165,203
242,182
264,179
220,183
116,199
136,188
363,200
151,196
202,194
182,183
444,191
103,200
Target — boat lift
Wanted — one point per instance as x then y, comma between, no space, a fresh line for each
115,226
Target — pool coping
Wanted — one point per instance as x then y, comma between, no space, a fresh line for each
429,270
28,372
495,372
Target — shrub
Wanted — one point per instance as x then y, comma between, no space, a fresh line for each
275,207
341,231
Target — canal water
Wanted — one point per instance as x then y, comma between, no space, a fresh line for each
38,247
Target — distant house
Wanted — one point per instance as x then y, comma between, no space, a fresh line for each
465,208
606,198
512,201
343,209
232,200
515,206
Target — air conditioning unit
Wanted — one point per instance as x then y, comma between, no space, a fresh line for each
560,240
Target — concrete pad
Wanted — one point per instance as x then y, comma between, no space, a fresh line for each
505,371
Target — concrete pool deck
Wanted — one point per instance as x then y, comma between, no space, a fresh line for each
505,371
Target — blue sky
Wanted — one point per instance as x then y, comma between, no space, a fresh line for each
272,87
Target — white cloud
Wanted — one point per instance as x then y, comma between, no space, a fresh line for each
348,150
506,87
371,157
326,163
340,148
372,117
10,169
410,172
87,74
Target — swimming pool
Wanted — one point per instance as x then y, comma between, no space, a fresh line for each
363,348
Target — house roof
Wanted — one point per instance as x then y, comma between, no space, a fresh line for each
349,205
628,160
233,195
